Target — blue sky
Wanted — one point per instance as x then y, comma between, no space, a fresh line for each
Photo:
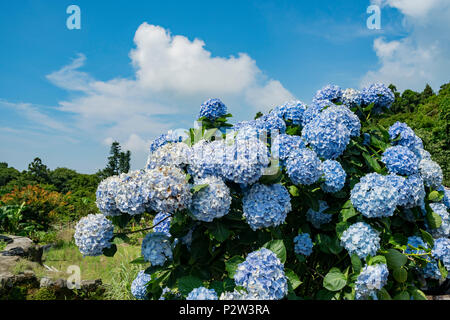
135,69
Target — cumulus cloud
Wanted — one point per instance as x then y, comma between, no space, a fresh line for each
422,56
173,76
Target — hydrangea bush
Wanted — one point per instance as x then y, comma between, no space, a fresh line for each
304,202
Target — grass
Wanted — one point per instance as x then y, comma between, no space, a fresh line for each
115,272
3,245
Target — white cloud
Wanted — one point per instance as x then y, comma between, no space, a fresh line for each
422,56
173,76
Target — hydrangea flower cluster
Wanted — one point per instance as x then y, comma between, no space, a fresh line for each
431,173
106,196
444,228
211,202
328,137
161,223
361,239
318,218
202,293
303,244
330,92
343,115
400,160
303,166
314,110
379,94
131,194
247,160
351,97
431,270
139,285
291,111
160,141
156,248
334,176
171,154
411,190
93,233
262,275
167,189
266,205
441,251
446,199
207,158
401,134
283,145
415,242
370,280
212,109
374,196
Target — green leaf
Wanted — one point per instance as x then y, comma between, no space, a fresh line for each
395,259
435,196
348,211
139,260
111,251
428,238
188,283
335,280
376,260
443,270
400,275
417,294
294,191
219,231
198,187
404,295
277,247
232,264
383,294
293,279
341,227
356,263
153,269
372,163
434,220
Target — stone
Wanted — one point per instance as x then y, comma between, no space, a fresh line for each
22,247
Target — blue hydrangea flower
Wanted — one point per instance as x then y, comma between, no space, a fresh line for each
303,244
246,160
271,123
379,94
262,275
161,223
411,190
370,280
156,248
291,111
303,166
441,251
375,196
431,270
212,109
106,196
211,202
93,233
334,176
343,115
431,173
202,294
318,218
237,295
163,139
167,189
329,92
283,144
139,285
361,239
446,199
328,137
351,97
444,228
400,160
131,193
171,154
314,110
266,205
207,158
422,154
405,135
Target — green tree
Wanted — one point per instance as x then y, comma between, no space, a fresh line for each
39,171
118,161
124,161
61,177
7,173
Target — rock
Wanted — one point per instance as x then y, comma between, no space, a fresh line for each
22,247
